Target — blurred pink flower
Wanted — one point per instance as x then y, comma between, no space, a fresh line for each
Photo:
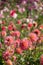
19,50
13,14
17,33
6,55
3,33
24,44
3,28
37,32
33,37
8,62
19,22
9,40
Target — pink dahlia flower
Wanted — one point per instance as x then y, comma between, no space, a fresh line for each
33,37
9,40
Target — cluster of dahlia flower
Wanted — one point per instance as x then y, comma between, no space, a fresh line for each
21,37
12,41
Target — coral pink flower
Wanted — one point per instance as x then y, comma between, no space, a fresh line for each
19,50
8,62
13,14
41,60
24,44
33,37
9,40
37,32
3,33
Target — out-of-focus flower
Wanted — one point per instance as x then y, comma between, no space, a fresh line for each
10,27
19,50
30,24
19,22
3,33
17,33
10,50
33,37
37,32
8,62
6,55
9,40
24,44
13,14
3,28
21,10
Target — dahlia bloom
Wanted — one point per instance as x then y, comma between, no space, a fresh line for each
24,44
3,33
9,40
33,37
